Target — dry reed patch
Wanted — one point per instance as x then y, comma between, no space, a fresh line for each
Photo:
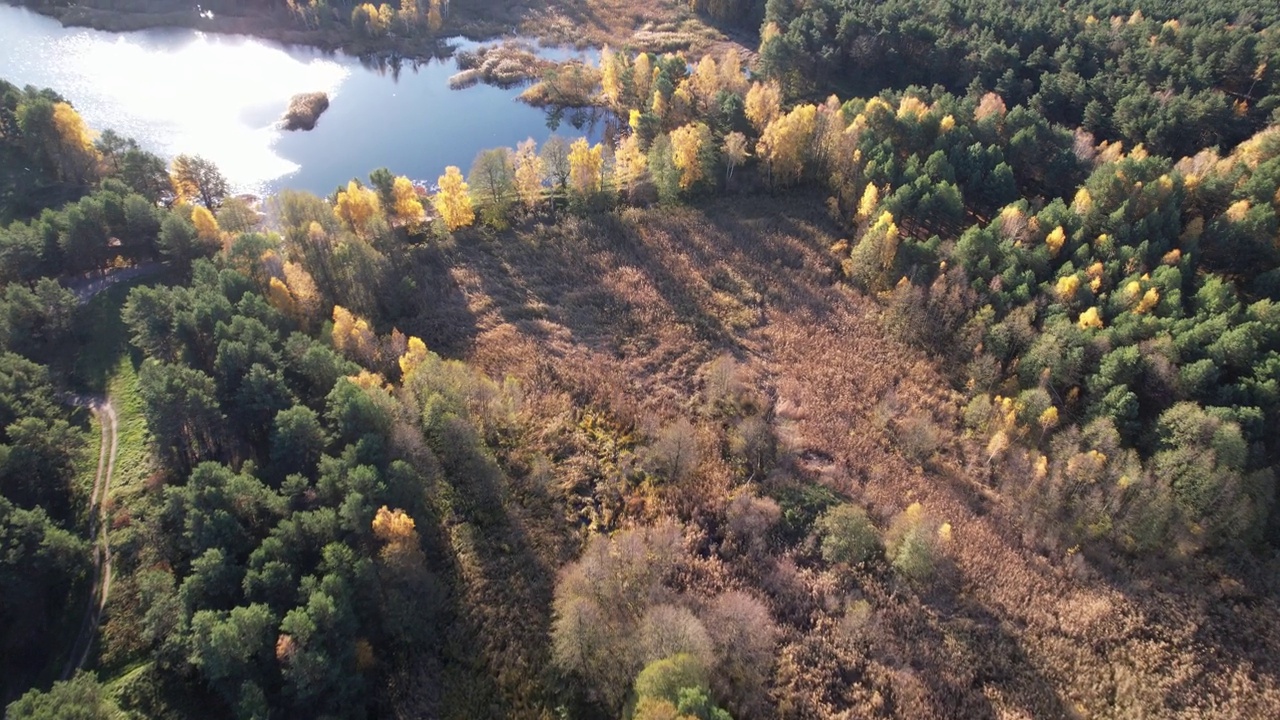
662,25
632,309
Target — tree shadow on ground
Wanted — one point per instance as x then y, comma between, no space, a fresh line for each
1212,622
443,318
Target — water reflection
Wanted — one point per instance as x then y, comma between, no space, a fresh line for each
219,96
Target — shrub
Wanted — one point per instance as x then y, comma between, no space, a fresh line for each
675,452
745,638
911,544
670,630
753,445
801,506
748,520
664,679
847,535
919,436
600,601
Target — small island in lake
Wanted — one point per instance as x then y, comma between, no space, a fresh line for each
304,110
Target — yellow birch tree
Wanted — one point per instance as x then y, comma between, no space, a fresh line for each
407,208
586,166
206,224
703,84
629,163
687,145
642,79
357,206
528,173
453,202
785,143
610,76
763,104
735,153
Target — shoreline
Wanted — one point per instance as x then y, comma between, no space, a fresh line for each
278,26
263,26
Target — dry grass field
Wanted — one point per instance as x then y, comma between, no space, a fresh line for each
664,25
623,314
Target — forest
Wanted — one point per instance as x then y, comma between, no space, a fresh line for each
922,360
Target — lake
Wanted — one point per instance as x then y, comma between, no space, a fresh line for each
184,91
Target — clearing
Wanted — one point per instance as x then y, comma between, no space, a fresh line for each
620,313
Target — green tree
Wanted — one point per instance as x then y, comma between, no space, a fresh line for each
80,698
41,566
1202,457
182,412
180,243
492,181
230,648
147,175
847,535
36,322
196,179
297,441
666,678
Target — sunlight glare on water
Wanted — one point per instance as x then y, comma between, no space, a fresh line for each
208,95
220,97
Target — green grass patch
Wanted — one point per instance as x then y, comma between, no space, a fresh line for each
86,463
103,337
133,453
105,364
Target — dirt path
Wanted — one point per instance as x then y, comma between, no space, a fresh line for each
106,414
86,287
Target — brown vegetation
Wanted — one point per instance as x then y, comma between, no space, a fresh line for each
645,341
662,26
505,64
304,110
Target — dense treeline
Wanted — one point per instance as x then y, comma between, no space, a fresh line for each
1140,310
1176,76
45,557
284,569
46,153
47,156
366,21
